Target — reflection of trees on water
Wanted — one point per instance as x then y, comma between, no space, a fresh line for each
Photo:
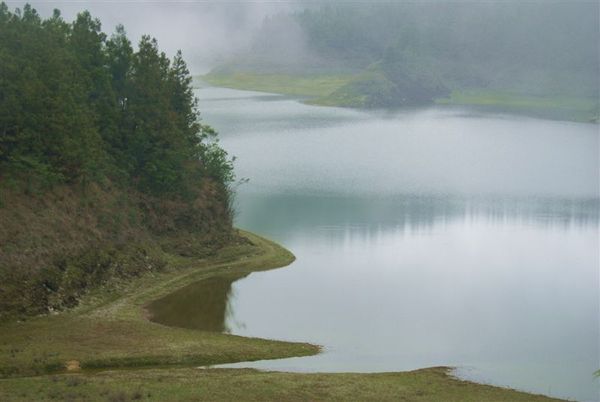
207,305
281,216
202,305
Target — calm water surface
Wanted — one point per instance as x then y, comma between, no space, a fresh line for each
431,237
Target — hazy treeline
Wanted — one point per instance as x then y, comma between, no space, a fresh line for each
532,47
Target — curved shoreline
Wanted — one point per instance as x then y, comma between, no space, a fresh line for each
320,91
109,339
110,328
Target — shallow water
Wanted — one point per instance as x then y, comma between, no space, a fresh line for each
428,237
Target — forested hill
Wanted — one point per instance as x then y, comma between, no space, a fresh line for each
105,169
414,52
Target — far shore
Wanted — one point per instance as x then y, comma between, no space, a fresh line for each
317,89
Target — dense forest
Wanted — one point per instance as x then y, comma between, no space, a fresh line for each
412,53
105,167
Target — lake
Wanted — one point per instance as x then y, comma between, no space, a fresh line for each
426,237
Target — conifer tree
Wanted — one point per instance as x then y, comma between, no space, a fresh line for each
76,106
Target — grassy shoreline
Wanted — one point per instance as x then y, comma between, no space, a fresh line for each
321,91
107,349
568,108
317,85
189,384
110,328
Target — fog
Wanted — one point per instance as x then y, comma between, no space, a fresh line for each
433,165
206,31
533,45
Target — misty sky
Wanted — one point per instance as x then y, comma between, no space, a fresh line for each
205,30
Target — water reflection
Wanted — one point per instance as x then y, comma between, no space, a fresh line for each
507,288
280,215
234,112
425,237
345,224
202,305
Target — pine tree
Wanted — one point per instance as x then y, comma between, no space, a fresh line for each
76,106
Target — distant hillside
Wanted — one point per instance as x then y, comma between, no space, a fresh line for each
413,53
105,170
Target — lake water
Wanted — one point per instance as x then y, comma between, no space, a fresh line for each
423,238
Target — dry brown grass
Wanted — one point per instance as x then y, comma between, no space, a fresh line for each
58,244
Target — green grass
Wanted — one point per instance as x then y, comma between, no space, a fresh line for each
299,85
547,106
116,354
356,93
187,384
110,329
351,90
